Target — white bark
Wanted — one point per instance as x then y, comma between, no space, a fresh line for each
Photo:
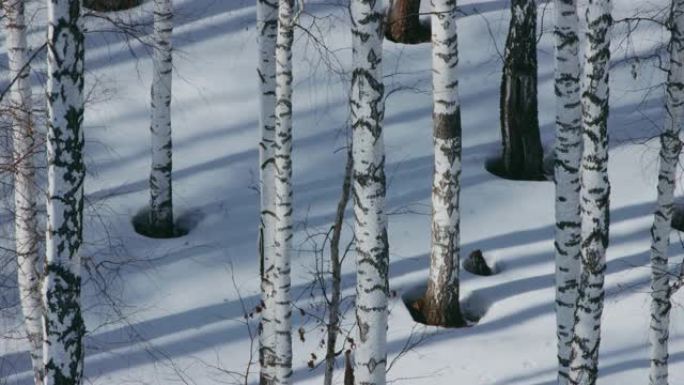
368,190
594,195
568,151
267,20
442,296
25,194
63,324
161,205
670,149
283,194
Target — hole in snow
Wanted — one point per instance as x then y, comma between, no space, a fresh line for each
183,224
475,306
472,309
110,5
494,165
678,215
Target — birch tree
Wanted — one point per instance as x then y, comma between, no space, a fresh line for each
63,324
594,195
568,152
670,148
333,325
368,190
442,295
522,153
267,24
25,194
161,205
283,194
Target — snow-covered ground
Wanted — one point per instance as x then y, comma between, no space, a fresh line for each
180,301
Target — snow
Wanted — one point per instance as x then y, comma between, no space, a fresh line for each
178,295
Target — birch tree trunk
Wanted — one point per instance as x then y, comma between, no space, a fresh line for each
403,23
594,195
522,155
161,205
568,152
670,148
368,190
333,325
25,194
442,295
267,25
63,324
283,194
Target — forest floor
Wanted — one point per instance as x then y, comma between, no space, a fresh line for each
174,309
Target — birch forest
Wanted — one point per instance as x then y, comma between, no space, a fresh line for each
353,192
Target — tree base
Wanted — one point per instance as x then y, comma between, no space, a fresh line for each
110,5
466,314
418,34
496,167
183,225
430,314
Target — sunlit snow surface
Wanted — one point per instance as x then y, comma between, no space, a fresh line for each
180,315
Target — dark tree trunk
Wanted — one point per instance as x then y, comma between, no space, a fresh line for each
522,156
110,5
336,273
403,24
348,369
